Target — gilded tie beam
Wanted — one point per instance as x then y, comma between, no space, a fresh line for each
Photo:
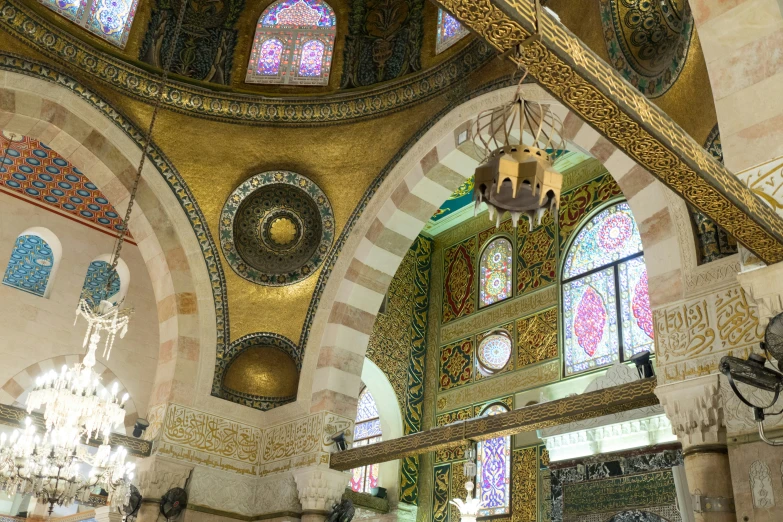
565,67
13,416
625,397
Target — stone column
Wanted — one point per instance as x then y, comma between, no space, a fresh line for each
155,476
695,411
320,488
107,514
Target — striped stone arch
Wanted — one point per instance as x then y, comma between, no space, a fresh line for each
16,389
417,186
97,145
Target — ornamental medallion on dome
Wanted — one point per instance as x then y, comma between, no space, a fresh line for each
647,41
276,228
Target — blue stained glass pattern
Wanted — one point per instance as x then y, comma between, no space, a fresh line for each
450,31
94,287
365,430
496,266
299,13
590,322
635,308
312,58
609,236
269,57
30,265
494,471
366,409
71,9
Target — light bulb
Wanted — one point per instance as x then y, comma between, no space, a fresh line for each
125,397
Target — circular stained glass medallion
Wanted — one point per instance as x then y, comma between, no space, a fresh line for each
494,352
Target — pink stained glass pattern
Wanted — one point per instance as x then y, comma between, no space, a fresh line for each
269,57
312,58
496,266
494,471
590,321
299,13
609,236
635,307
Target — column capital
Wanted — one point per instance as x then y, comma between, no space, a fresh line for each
319,487
695,410
107,514
157,475
764,288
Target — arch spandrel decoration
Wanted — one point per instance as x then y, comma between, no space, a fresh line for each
293,44
108,19
276,228
606,304
647,42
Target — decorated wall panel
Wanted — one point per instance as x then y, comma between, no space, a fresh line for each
204,49
456,364
459,280
537,338
604,486
579,202
383,42
536,255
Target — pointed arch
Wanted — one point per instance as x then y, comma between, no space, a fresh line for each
34,261
99,271
606,305
293,44
108,19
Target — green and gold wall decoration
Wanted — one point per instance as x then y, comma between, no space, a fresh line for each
536,254
459,291
456,364
537,338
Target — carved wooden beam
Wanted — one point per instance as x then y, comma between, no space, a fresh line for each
581,80
631,396
13,416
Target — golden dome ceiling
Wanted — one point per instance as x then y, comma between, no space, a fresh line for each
262,371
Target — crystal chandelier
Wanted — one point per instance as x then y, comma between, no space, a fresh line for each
47,467
468,508
516,173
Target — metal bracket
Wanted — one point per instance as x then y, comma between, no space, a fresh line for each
703,504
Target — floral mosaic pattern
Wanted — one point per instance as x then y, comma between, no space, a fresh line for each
647,42
459,280
294,42
36,172
536,255
242,237
537,338
94,288
30,265
456,364
576,204
496,272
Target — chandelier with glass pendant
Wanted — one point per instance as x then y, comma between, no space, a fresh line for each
520,140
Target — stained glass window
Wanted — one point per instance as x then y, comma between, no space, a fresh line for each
94,289
493,473
496,265
30,266
293,44
366,430
109,19
606,308
450,31
494,352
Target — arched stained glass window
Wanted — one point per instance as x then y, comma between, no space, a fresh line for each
493,473
293,44
109,19
450,31
95,288
32,264
495,278
366,430
606,308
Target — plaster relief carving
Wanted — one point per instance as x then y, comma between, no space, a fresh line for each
695,410
155,476
761,485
